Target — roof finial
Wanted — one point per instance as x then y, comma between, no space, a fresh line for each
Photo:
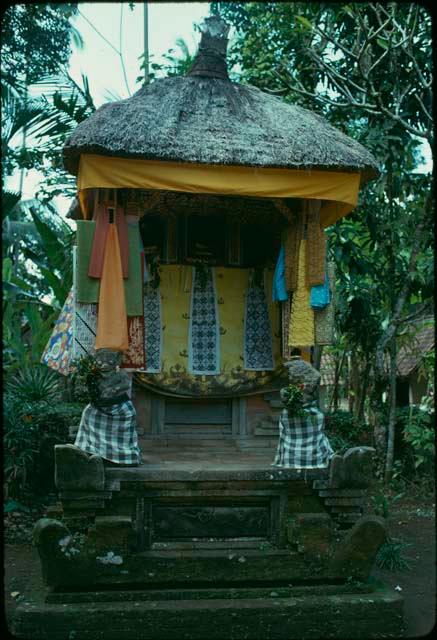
210,60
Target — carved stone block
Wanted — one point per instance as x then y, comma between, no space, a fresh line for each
112,533
51,537
76,470
312,532
356,555
353,469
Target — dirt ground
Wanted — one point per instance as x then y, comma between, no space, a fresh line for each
411,522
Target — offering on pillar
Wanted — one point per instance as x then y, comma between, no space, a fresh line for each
302,441
108,424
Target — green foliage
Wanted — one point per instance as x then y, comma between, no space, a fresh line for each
292,397
35,39
419,435
35,384
390,555
383,501
86,375
344,430
34,419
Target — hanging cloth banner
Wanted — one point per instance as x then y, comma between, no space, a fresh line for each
320,295
279,286
293,236
84,318
112,318
153,329
57,353
339,189
88,289
101,218
315,246
84,330
258,339
302,316
204,332
324,319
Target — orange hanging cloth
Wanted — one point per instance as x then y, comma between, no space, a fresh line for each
112,320
101,218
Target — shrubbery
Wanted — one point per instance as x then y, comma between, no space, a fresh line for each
35,418
415,445
345,431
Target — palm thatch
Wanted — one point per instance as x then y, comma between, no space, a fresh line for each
205,118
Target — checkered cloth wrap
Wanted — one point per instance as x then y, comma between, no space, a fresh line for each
110,433
302,442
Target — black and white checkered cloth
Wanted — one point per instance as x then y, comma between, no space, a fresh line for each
302,442
110,433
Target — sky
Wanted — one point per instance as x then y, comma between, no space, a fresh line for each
99,61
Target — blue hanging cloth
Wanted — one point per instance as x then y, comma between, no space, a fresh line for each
320,295
279,289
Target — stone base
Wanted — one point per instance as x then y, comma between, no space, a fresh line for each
275,612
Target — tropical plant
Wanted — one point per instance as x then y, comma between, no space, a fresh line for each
419,435
391,555
344,430
37,383
35,418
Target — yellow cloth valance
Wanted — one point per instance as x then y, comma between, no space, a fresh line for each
339,191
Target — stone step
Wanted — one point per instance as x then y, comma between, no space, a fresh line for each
273,617
180,443
261,442
267,429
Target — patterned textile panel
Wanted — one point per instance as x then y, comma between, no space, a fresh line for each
258,342
233,379
204,336
57,353
152,329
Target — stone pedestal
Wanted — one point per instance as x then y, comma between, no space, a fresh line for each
173,553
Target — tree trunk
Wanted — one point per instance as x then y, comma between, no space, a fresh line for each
338,367
392,413
354,382
376,407
364,386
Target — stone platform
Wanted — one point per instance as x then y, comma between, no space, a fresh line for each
275,612
205,548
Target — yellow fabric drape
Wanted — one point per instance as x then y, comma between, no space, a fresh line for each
302,315
112,319
340,189
231,285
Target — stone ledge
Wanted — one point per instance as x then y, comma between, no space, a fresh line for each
158,473
315,615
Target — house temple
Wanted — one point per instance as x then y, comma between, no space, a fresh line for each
201,259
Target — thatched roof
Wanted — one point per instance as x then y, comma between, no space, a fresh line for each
410,355
205,118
